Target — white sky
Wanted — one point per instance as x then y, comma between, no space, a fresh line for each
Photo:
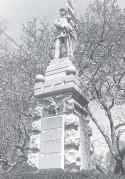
17,12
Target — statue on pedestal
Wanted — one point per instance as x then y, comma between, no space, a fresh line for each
66,34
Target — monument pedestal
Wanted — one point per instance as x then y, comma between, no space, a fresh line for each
62,140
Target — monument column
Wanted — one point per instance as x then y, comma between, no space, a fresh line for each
61,138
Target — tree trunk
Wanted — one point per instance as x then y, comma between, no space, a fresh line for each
119,169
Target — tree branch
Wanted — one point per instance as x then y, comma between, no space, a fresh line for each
118,142
107,111
120,125
107,139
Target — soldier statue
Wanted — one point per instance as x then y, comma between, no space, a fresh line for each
66,34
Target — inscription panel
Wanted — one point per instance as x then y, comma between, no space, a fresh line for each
52,134
51,161
52,123
52,146
52,143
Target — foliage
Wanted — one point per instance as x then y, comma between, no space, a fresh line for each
50,174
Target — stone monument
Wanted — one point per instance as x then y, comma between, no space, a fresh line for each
66,34
61,134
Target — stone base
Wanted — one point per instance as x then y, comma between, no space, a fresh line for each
52,139
64,140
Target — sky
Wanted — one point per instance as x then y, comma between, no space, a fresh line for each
16,12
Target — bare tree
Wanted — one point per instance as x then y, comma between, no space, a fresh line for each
17,76
102,67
